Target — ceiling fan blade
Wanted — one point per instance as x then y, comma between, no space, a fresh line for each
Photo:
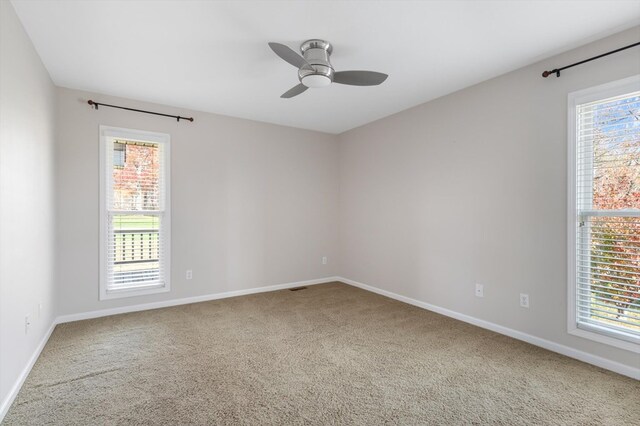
289,55
359,78
294,91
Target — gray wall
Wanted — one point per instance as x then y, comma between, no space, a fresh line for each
253,204
27,136
472,188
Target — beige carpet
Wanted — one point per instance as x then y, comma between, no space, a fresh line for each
330,354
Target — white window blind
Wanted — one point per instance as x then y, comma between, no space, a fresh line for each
607,221
135,218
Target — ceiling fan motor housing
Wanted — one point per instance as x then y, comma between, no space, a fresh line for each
317,53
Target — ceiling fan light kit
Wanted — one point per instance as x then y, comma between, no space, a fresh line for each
315,69
315,81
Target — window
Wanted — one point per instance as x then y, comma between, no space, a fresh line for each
604,213
135,213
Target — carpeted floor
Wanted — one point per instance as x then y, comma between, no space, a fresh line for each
330,354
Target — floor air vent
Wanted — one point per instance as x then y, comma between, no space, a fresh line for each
297,288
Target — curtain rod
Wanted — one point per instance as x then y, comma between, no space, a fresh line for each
557,70
96,104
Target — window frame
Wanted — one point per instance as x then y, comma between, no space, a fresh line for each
604,91
109,132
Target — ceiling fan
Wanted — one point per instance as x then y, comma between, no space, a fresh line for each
315,70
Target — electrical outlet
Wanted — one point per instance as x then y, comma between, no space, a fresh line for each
27,323
324,260
524,300
189,274
479,290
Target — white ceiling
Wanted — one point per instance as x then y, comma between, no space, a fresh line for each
213,55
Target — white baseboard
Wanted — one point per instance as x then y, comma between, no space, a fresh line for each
6,404
187,300
623,369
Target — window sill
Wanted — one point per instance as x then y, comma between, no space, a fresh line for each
119,294
603,338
